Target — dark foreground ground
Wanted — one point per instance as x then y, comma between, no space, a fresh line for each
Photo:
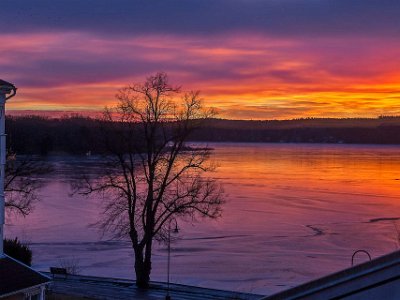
87,287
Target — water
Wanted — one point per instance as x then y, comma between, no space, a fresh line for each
294,212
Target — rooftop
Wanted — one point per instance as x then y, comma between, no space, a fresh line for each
3,82
121,289
16,276
362,277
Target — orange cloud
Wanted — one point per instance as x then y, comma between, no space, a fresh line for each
243,76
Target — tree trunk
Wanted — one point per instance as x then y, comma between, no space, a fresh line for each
142,269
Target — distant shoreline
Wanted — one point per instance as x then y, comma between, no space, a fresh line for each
79,135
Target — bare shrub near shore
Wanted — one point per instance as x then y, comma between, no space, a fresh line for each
72,265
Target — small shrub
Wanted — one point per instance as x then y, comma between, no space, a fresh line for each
71,265
17,250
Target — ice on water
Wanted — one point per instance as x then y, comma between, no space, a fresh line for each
294,212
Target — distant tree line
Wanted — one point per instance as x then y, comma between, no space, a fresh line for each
43,136
78,135
388,134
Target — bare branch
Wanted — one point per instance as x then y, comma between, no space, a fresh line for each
151,175
22,183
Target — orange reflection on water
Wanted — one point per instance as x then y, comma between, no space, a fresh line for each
293,212
342,179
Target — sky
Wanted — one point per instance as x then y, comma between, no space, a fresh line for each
251,59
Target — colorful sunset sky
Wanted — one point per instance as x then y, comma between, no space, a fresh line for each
251,59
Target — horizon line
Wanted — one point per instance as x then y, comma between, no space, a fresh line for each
93,114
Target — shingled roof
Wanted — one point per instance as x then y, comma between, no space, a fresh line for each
16,276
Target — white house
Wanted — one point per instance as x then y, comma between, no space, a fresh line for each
17,281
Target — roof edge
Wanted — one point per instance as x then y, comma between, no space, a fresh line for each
26,266
339,277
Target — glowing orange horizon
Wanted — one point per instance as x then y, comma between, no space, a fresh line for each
243,77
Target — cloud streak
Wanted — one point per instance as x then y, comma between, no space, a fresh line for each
251,59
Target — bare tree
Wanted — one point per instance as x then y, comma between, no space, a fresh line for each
151,176
21,183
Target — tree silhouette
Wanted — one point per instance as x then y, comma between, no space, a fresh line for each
21,184
151,176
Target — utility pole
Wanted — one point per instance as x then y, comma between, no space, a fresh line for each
7,90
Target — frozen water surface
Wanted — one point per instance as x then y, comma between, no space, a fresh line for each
294,212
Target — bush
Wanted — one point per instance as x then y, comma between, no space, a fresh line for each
71,265
17,250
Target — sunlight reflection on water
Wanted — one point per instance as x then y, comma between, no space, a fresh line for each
294,212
